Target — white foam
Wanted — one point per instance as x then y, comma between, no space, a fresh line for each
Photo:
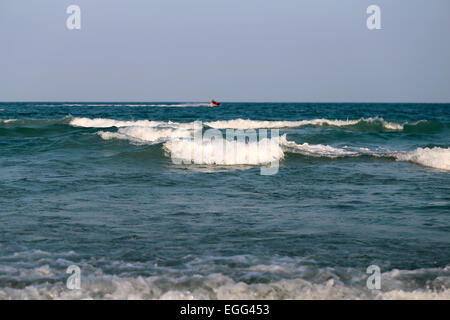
240,124
317,150
8,120
107,135
436,157
224,152
108,123
145,134
147,131
243,124
220,286
209,277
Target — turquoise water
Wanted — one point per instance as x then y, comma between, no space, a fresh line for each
94,185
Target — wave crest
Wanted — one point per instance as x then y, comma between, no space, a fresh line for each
316,150
436,157
234,277
108,123
148,135
225,152
236,153
256,124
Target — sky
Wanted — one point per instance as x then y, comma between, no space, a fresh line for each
230,50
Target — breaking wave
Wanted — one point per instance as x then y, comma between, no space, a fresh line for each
234,277
224,152
317,150
368,124
218,286
364,124
108,123
176,136
180,145
436,157
8,120
255,124
144,135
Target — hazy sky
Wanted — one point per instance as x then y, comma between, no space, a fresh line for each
232,50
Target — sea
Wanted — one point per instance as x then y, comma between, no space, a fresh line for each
305,201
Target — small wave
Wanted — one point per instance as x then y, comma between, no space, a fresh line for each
436,157
239,124
369,124
215,286
33,122
317,150
424,126
108,123
242,124
235,277
8,120
147,135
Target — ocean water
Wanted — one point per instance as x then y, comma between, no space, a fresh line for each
94,185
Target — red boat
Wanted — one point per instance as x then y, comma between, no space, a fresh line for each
214,103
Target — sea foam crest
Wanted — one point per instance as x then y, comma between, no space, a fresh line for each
108,123
240,124
326,283
225,152
36,274
149,135
318,150
243,124
8,120
210,152
436,157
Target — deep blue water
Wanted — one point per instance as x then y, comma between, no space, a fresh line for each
89,184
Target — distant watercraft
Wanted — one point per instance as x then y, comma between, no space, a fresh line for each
214,103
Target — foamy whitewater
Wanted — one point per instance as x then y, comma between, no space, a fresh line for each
167,200
226,153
